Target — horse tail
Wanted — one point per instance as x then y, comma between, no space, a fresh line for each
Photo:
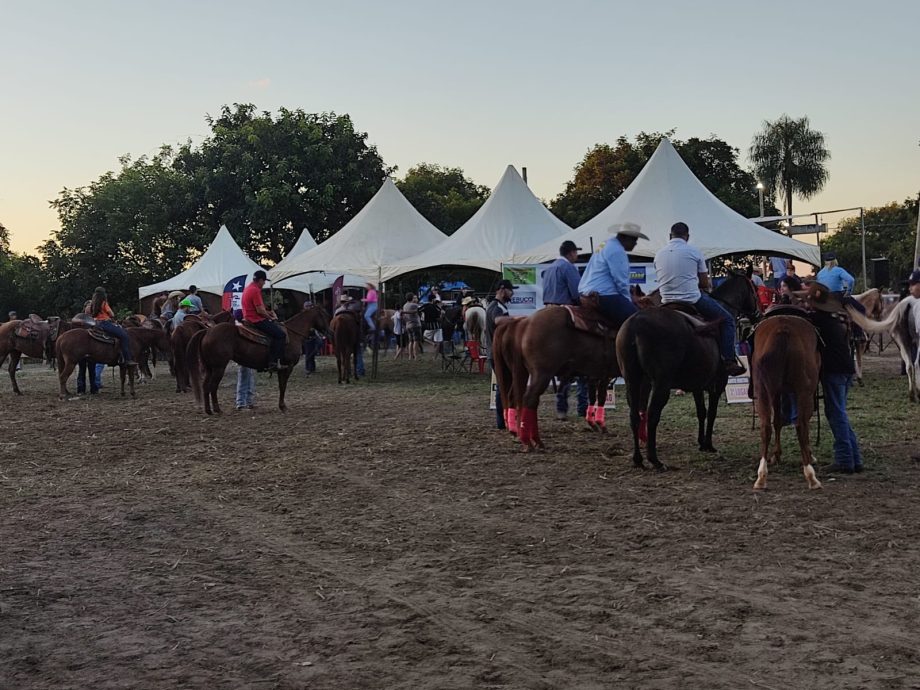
870,326
776,361
193,362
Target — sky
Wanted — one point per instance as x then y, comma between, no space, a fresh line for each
472,84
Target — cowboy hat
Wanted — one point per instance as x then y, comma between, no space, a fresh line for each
345,297
466,300
175,293
628,229
821,298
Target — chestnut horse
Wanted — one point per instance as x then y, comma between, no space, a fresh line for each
551,346
77,344
660,349
346,339
509,368
786,361
180,338
15,346
211,350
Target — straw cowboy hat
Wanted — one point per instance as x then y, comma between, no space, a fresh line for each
628,229
175,293
466,300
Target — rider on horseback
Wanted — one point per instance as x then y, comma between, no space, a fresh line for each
104,316
682,272
260,318
607,274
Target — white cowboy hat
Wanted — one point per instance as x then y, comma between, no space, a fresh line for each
466,300
629,229
345,298
175,293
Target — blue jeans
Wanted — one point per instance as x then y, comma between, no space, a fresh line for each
617,308
276,338
121,334
359,363
712,310
369,312
846,447
87,369
562,396
98,374
310,347
245,386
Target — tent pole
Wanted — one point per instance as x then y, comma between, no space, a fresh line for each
862,226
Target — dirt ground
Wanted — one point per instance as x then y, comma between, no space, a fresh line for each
384,535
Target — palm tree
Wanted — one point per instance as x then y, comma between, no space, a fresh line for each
789,157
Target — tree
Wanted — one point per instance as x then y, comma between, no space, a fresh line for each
889,233
266,178
445,196
606,171
789,157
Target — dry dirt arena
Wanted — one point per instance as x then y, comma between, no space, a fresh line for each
384,535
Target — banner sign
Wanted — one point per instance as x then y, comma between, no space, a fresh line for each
736,390
338,287
232,299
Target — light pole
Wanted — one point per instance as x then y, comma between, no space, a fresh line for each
760,193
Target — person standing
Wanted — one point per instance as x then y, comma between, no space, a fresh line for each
413,323
311,345
682,277
496,312
399,331
560,287
607,274
778,266
263,320
431,319
196,306
836,377
835,277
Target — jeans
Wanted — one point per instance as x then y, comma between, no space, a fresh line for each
121,334
359,363
712,310
499,409
617,308
846,447
87,369
245,386
369,312
98,373
562,396
310,347
276,340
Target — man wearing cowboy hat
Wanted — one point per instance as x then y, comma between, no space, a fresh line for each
607,273
682,272
836,376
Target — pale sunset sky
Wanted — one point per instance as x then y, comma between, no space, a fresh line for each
472,84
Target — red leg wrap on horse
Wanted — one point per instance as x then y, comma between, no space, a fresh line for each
512,421
589,414
643,427
599,415
528,425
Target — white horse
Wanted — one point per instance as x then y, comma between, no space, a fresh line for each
474,321
903,326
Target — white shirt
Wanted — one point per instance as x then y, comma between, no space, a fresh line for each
678,266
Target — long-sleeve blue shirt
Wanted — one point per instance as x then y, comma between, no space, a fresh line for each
607,272
560,282
836,279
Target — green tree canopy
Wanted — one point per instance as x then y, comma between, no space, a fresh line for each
790,157
890,233
445,196
606,171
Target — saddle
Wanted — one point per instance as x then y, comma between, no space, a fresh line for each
588,317
248,332
785,310
32,328
97,333
684,308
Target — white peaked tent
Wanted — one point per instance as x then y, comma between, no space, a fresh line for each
222,261
310,282
665,192
387,229
511,221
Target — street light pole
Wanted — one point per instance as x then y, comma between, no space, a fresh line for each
862,226
760,193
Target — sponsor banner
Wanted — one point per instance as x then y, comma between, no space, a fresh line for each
493,392
736,390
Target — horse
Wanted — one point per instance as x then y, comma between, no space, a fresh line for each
552,346
211,350
661,348
785,362
346,338
474,322
510,370
180,338
23,337
903,326
383,319
79,343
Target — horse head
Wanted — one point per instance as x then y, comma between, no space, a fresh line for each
738,294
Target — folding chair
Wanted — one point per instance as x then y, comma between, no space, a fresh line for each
451,360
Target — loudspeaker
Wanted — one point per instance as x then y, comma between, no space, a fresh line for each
881,276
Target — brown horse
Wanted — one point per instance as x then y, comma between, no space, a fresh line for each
510,370
179,340
78,343
212,349
22,337
660,349
551,346
346,338
786,361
